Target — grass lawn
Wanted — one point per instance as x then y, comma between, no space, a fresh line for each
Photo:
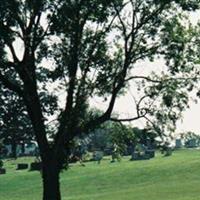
170,178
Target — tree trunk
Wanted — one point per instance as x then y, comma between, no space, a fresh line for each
51,184
23,148
13,149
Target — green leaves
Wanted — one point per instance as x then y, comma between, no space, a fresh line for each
14,121
189,5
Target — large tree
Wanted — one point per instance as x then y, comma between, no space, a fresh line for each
79,49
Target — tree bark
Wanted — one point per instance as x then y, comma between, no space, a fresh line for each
13,149
23,148
51,184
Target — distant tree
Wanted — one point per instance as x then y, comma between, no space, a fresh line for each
190,136
167,100
122,137
99,139
15,125
80,49
111,134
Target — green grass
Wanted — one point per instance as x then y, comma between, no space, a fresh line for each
170,178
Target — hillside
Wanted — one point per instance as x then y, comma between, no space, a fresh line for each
170,178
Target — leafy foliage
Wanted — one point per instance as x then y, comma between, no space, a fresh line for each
15,125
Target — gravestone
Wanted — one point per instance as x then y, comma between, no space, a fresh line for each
151,153
135,155
168,152
192,143
22,166
98,156
142,152
140,156
178,144
116,156
2,171
36,166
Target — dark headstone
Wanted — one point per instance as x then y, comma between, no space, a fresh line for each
97,156
178,143
192,143
36,166
143,155
1,164
168,152
2,171
135,155
151,153
22,166
116,157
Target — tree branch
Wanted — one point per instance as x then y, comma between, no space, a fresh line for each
12,50
143,77
11,86
128,119
160,81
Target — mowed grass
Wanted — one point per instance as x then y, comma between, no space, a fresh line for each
162,178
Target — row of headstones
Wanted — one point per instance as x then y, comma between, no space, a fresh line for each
35,166
97,156
148,154
192,143
136,155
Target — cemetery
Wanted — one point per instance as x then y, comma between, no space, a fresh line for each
92,94
87,151
146,161
119,180
145,149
